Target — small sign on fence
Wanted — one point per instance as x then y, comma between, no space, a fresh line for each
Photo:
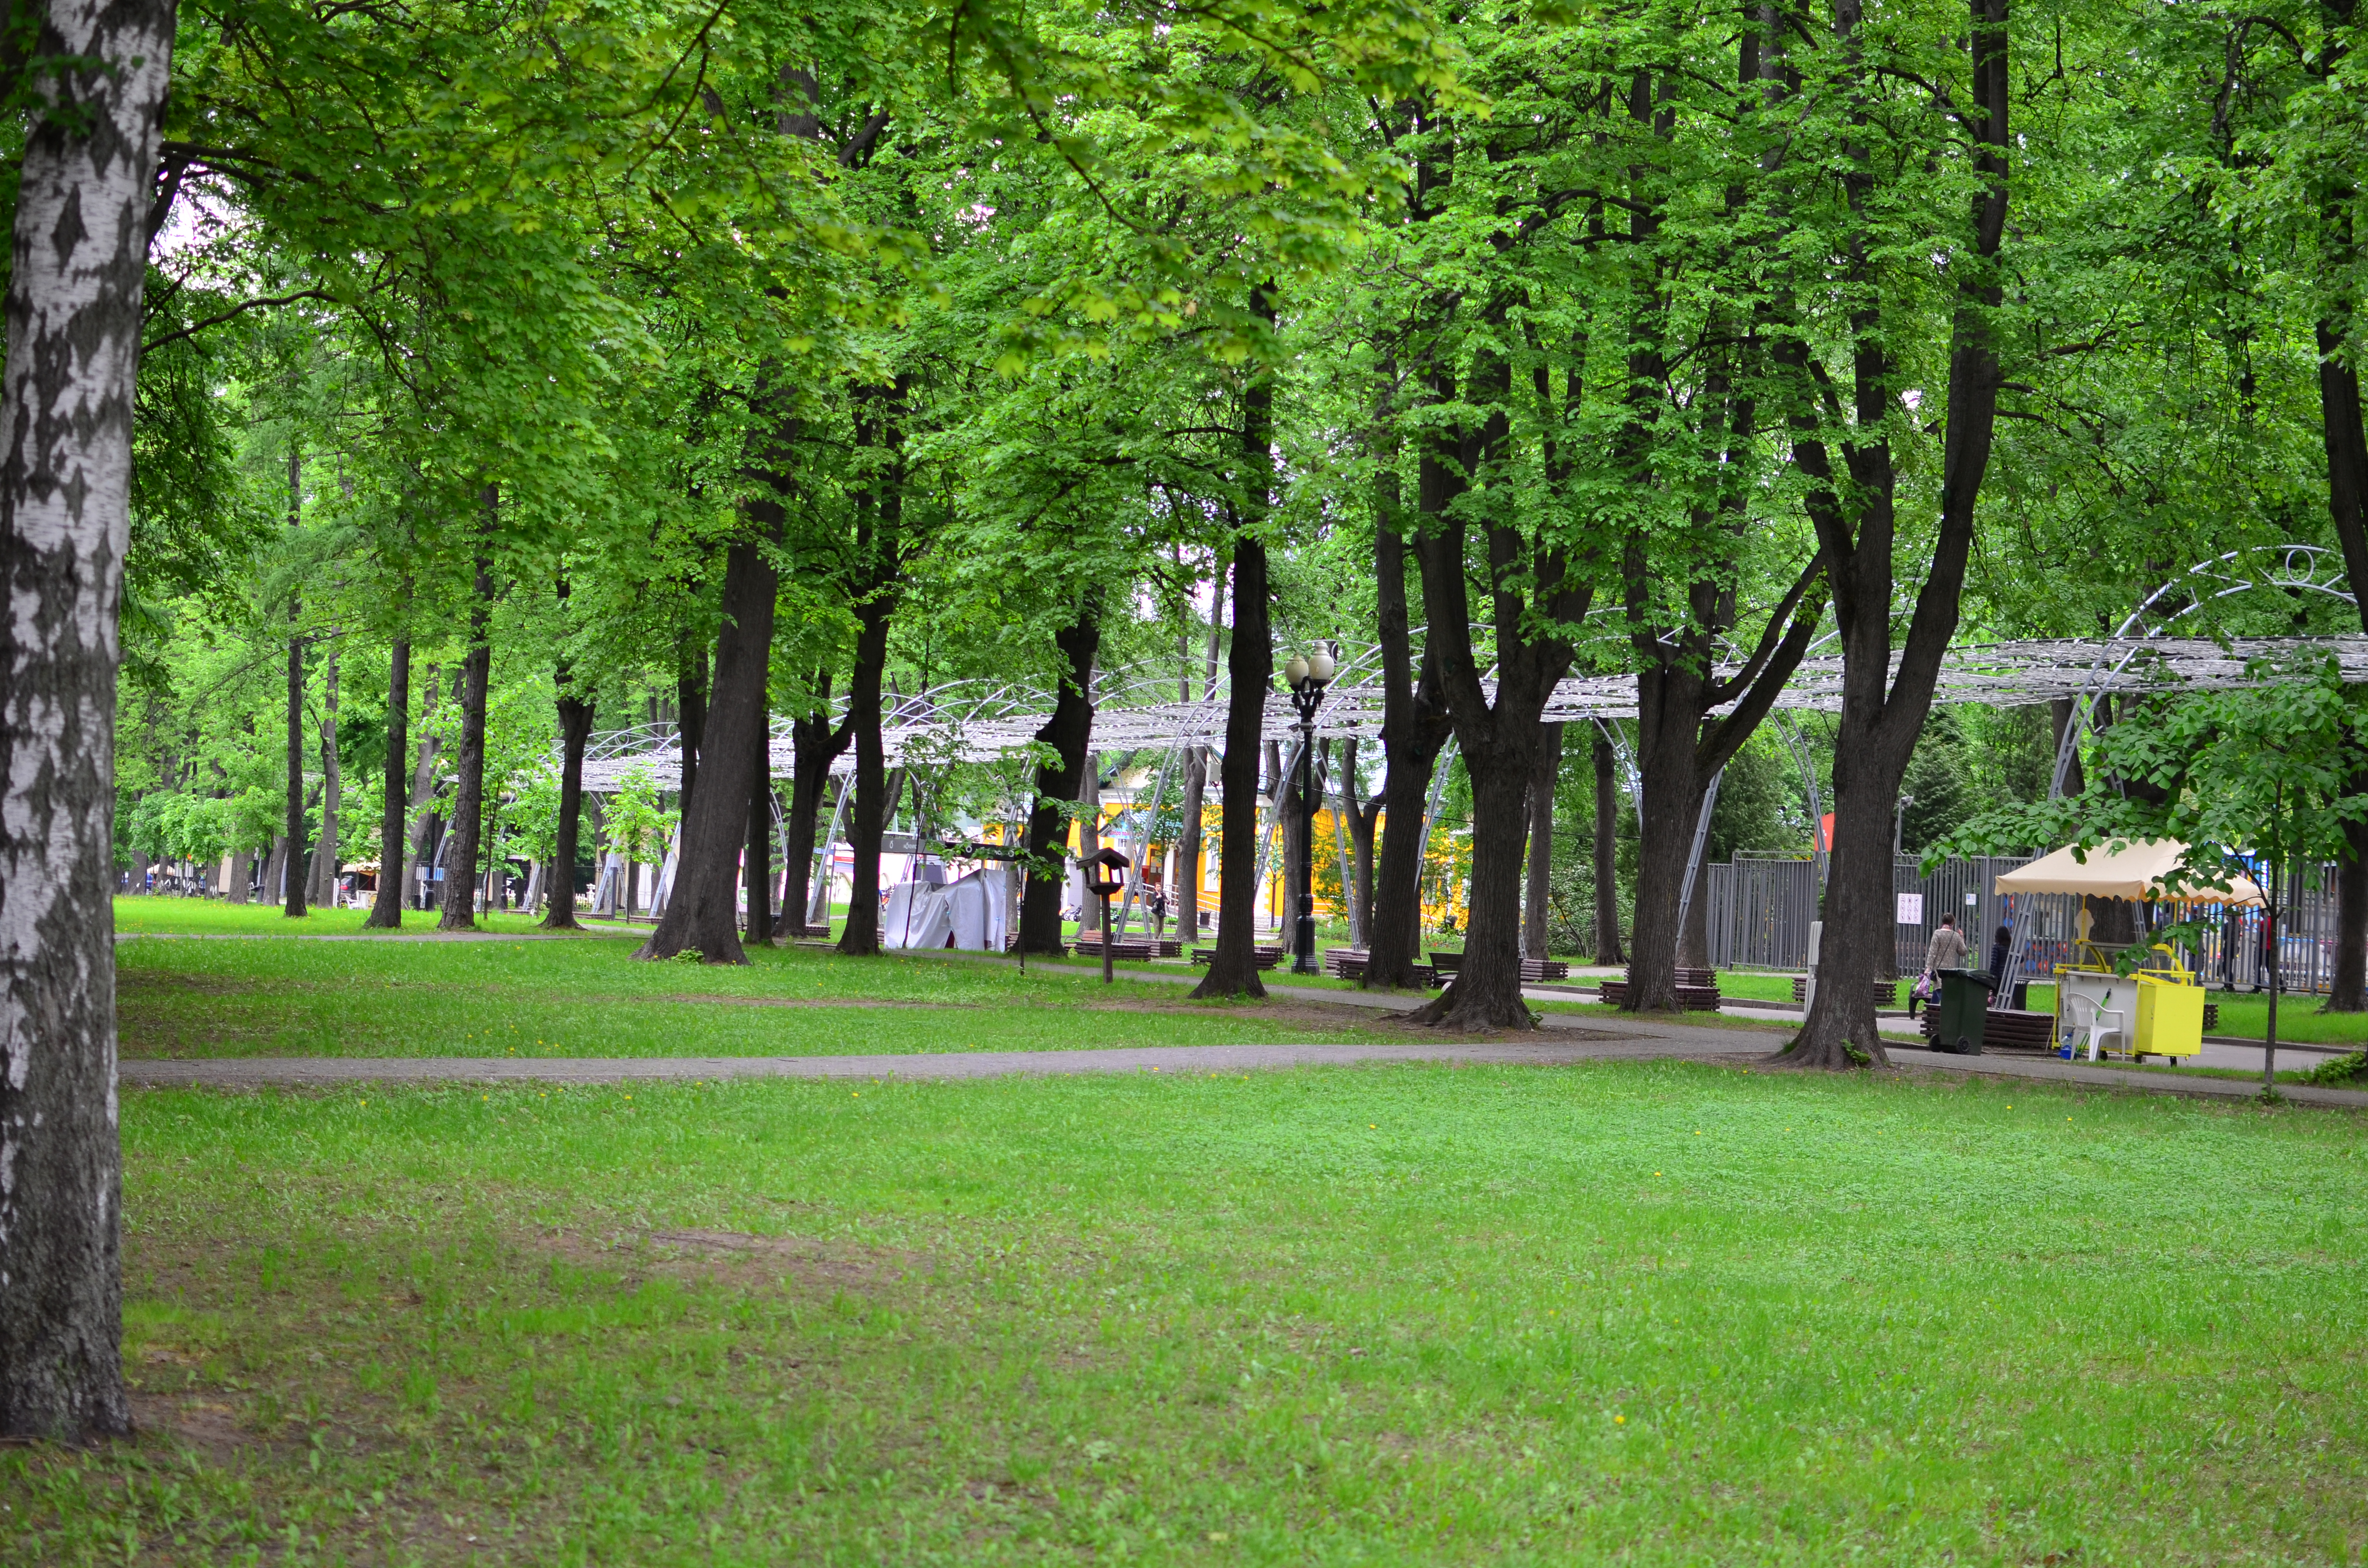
1911,909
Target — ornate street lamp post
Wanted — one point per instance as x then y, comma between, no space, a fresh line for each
1308,677
1105,875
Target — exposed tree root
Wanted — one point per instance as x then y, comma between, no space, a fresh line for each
1446,1011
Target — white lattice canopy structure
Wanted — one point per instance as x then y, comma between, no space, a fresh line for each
981,721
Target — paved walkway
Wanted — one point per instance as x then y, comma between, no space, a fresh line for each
1569,1046
1561,1048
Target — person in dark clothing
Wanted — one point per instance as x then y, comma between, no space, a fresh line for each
2001,948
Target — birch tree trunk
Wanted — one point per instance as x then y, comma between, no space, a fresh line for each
79,254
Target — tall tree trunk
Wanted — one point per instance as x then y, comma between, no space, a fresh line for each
1670,699
1069,731
1090,837
574,730
815,743
292,892
275,862
1249,669
1415,730
861,934
386,906
1499,738
756,860
460,853
242,869
1187,892
1607,855
690,705
1362,817
1882,712
324,852
1682,739
1196,780
80,239
1291,833
2346,440
1542,780
703,913
423,786
2349,979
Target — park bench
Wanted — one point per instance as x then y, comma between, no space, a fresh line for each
1534,971
1348,963
1886,992
1263,957
1134,948
1697,990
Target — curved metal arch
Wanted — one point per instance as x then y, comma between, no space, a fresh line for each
2296,567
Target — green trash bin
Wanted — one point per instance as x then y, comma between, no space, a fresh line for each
1964,1009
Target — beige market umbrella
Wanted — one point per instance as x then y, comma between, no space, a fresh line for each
2133,871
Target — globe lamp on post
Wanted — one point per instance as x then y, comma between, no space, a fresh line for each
1309,675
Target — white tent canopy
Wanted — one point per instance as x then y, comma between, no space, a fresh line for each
2131,870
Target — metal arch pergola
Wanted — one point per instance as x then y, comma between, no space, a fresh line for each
2293,568
983,720
987,719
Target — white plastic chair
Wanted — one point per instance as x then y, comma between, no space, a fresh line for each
2097,1029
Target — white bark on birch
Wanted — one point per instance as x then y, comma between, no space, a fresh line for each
78,253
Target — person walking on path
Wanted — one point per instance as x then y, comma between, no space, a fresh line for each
1947,951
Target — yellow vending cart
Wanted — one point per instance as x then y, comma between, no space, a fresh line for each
2155,1011
2158,1008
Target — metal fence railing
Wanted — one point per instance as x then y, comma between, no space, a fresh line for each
1761,908
1760,912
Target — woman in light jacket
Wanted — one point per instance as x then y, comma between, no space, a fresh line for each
1947,951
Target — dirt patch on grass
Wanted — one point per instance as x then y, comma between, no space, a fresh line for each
1315,1015
810,1261
209,1425
708,1000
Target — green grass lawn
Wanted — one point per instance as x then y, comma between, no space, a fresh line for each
2299,1019
589,997
211,917
1642,1313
